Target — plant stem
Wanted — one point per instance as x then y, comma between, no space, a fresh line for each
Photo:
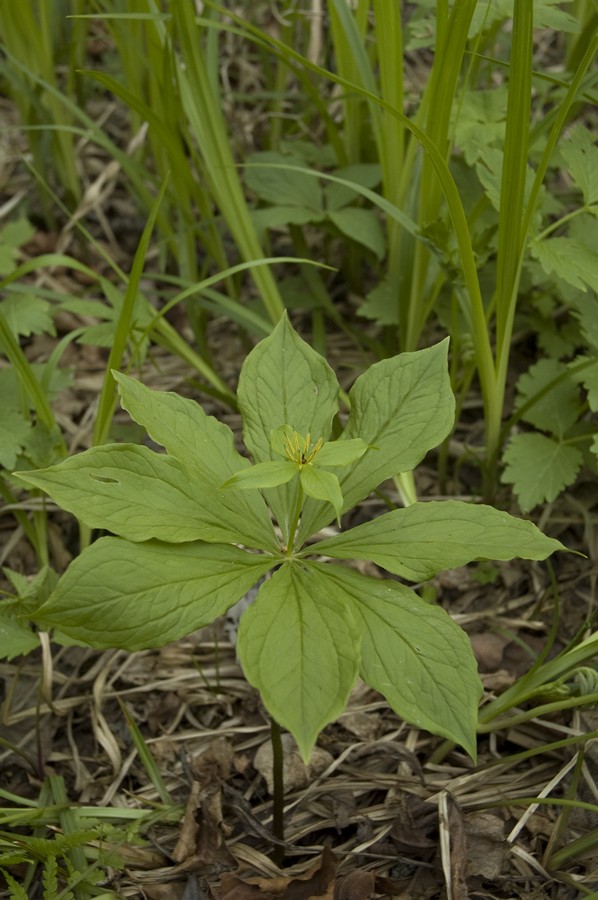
277,791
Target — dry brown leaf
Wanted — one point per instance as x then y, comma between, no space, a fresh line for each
318,881
458,850
171,890
486,844
357,885
201,845
296,774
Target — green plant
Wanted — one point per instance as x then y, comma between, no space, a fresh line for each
189,523
46,843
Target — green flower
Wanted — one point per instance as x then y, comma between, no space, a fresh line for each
309,462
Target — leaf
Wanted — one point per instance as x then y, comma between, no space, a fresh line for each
403,406
12,236
204,446
322,485
280,216
263,475
13,434
283,381
414,654
539,468
568,259
381,303
581,155
423,539
341,453
134,596
282,187
367,175
557,410
26,315
589,378
299,647
139,494
16,637
585,310
361,225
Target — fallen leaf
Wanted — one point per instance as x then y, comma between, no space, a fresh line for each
486,844
316,882
201,845
357,885
295,773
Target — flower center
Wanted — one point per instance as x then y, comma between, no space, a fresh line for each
299,450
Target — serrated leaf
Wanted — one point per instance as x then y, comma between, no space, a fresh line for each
13,434
282,187
415,655
423,539
263,475
589,378
403,406
585,310
17,233
321,485
539,468
362,226
299,647
581,155
204,446
139,495
26,314
558,409
568,259
16,637
547,14
283,381
381,303
134,596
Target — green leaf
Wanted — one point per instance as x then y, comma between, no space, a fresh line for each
539,468
568,259
280,216
299,647
381,303
558,409
204,446
13,434
134,596
366,175
341,453
283,381
16,637
282,188
423,539
415,655
581,155
263,475
585,310
26,315
139,494
589,378
403,406
361,225
322,485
